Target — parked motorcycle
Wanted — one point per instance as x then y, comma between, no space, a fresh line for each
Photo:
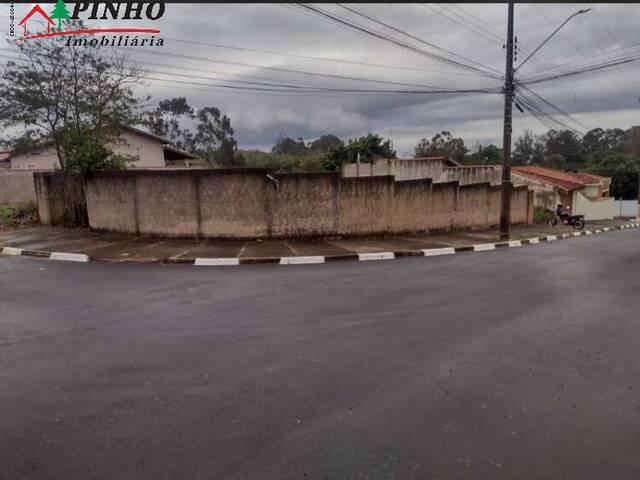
576,221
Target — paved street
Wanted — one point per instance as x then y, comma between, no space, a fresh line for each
111,247
519,363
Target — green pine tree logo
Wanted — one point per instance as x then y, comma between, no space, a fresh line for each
60,13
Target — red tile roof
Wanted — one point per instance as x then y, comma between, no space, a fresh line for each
565,181
590,178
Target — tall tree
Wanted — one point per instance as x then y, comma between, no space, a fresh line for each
442,144
567,144
324,143
53,88
484,155
600,140
367,148
212,139
288,146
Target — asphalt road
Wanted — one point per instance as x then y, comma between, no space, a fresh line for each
518,363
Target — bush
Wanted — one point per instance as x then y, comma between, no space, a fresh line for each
542,215
84,152
18,215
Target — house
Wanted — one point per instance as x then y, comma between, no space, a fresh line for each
580,193
149,151
33,11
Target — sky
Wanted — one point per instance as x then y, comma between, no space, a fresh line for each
471,31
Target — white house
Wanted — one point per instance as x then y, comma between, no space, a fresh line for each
149,151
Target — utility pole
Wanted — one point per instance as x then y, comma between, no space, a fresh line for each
505,205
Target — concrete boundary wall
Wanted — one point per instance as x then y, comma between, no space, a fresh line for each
17,187
245,203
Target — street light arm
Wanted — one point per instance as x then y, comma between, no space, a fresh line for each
549,37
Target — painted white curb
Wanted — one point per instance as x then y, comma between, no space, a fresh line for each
216,262
69,257
483,247
434,252
515,243
376,256
533,241
606,229
11,251
588,232
551,238
301,260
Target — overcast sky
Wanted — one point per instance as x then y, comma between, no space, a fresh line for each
608,99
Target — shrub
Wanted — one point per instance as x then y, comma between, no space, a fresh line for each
542,215
18,215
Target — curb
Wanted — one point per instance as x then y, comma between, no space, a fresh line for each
316,259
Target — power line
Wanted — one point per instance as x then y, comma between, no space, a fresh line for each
387,38
413,37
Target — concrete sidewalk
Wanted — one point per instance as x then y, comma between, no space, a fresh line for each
107,247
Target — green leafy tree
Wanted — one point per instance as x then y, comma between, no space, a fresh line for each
86,152
600,140
555,161
54,88
369,148
567,144
442,144
212,139
288,146
528,149
60,13
623,171
324,143
487,155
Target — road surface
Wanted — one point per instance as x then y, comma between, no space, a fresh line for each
519,363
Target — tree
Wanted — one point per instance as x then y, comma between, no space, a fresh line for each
60,13
488,155
167,120
212,140
599,140
527,149
631,142
324,143
86,152
567,144
442,144
555,161
367,148
623,170
54,88
288,146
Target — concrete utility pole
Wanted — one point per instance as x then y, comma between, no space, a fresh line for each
505,205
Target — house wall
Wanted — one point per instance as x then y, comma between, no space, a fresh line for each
17,187
245,204
43,159
148,152
593,208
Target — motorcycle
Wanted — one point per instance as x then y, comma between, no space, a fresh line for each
575,221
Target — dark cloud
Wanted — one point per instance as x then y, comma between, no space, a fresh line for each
605,99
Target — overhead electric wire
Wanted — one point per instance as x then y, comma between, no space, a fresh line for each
360,28
318,58
413,37
552,106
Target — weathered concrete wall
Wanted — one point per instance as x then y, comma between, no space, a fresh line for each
594,208
402,169
17,187
473,174
246,204
61,199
